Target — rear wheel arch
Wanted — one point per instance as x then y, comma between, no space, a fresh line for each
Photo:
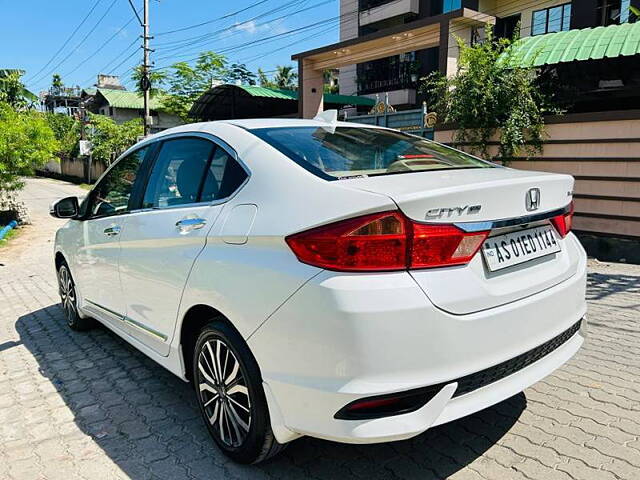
196,318
59,259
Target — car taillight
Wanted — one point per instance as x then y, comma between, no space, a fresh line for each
563,222
384,241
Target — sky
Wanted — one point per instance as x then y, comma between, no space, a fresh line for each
36,35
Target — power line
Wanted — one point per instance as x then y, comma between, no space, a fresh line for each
189,41
264,39
136,13
101,47
227,15
68,38
80,43
256,57
188,52
115,59
242,46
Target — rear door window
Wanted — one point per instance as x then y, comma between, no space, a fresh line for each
224,176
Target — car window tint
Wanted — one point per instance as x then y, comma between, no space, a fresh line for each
177,173
356,151
111,196
224,176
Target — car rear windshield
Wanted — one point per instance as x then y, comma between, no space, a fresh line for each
343,152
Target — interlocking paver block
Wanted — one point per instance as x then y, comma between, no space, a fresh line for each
89,406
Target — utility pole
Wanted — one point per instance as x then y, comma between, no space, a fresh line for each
146,83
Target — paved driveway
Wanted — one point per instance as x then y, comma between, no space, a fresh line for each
87,405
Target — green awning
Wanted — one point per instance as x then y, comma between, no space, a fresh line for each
577,45
256,91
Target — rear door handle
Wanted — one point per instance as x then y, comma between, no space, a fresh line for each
112,230
186,225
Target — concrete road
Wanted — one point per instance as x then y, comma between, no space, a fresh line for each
88,406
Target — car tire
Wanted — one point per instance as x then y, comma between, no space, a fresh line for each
232,403
69,300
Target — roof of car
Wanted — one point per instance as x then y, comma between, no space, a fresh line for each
251,123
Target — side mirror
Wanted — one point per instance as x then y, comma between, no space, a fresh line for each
65,208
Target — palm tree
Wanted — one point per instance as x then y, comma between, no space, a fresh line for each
12,90
285,78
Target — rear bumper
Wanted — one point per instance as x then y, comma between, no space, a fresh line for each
346,336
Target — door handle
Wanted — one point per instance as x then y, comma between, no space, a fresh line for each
112,230
186,225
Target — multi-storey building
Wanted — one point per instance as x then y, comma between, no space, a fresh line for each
591,48
378,35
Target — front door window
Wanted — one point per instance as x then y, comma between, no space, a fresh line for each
111,196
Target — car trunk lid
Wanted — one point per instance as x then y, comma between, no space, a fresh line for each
477,199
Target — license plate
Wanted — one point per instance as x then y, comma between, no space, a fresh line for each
503,251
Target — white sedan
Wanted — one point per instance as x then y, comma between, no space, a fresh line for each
330,279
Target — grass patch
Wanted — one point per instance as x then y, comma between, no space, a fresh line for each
13,233
86,186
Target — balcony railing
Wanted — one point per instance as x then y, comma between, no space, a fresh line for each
386,75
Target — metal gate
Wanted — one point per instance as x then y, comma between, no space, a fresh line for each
410,121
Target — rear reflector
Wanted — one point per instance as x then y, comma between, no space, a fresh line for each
563,222
387,405
384,242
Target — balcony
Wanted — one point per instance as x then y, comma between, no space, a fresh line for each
399,72
372,11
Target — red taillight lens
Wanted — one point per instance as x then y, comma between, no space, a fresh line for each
372,242
439,245
384,241
563,222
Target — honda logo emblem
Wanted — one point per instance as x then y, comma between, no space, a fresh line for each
532,199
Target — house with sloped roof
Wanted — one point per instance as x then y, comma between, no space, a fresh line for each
124,105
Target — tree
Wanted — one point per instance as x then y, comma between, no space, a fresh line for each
187,82
108,139
26,142
13,91
239,73
56,82
66,130
285,78
492,92
156,77
264,81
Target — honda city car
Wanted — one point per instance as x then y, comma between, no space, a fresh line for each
312,277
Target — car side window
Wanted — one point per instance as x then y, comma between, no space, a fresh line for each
224,176
177,173
111,196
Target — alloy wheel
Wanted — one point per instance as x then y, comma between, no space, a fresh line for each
67,294
223,392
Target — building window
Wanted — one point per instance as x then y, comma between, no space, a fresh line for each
506,27
554,19
450,5
612,12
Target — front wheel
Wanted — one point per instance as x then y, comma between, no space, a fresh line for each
69,300
230,395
